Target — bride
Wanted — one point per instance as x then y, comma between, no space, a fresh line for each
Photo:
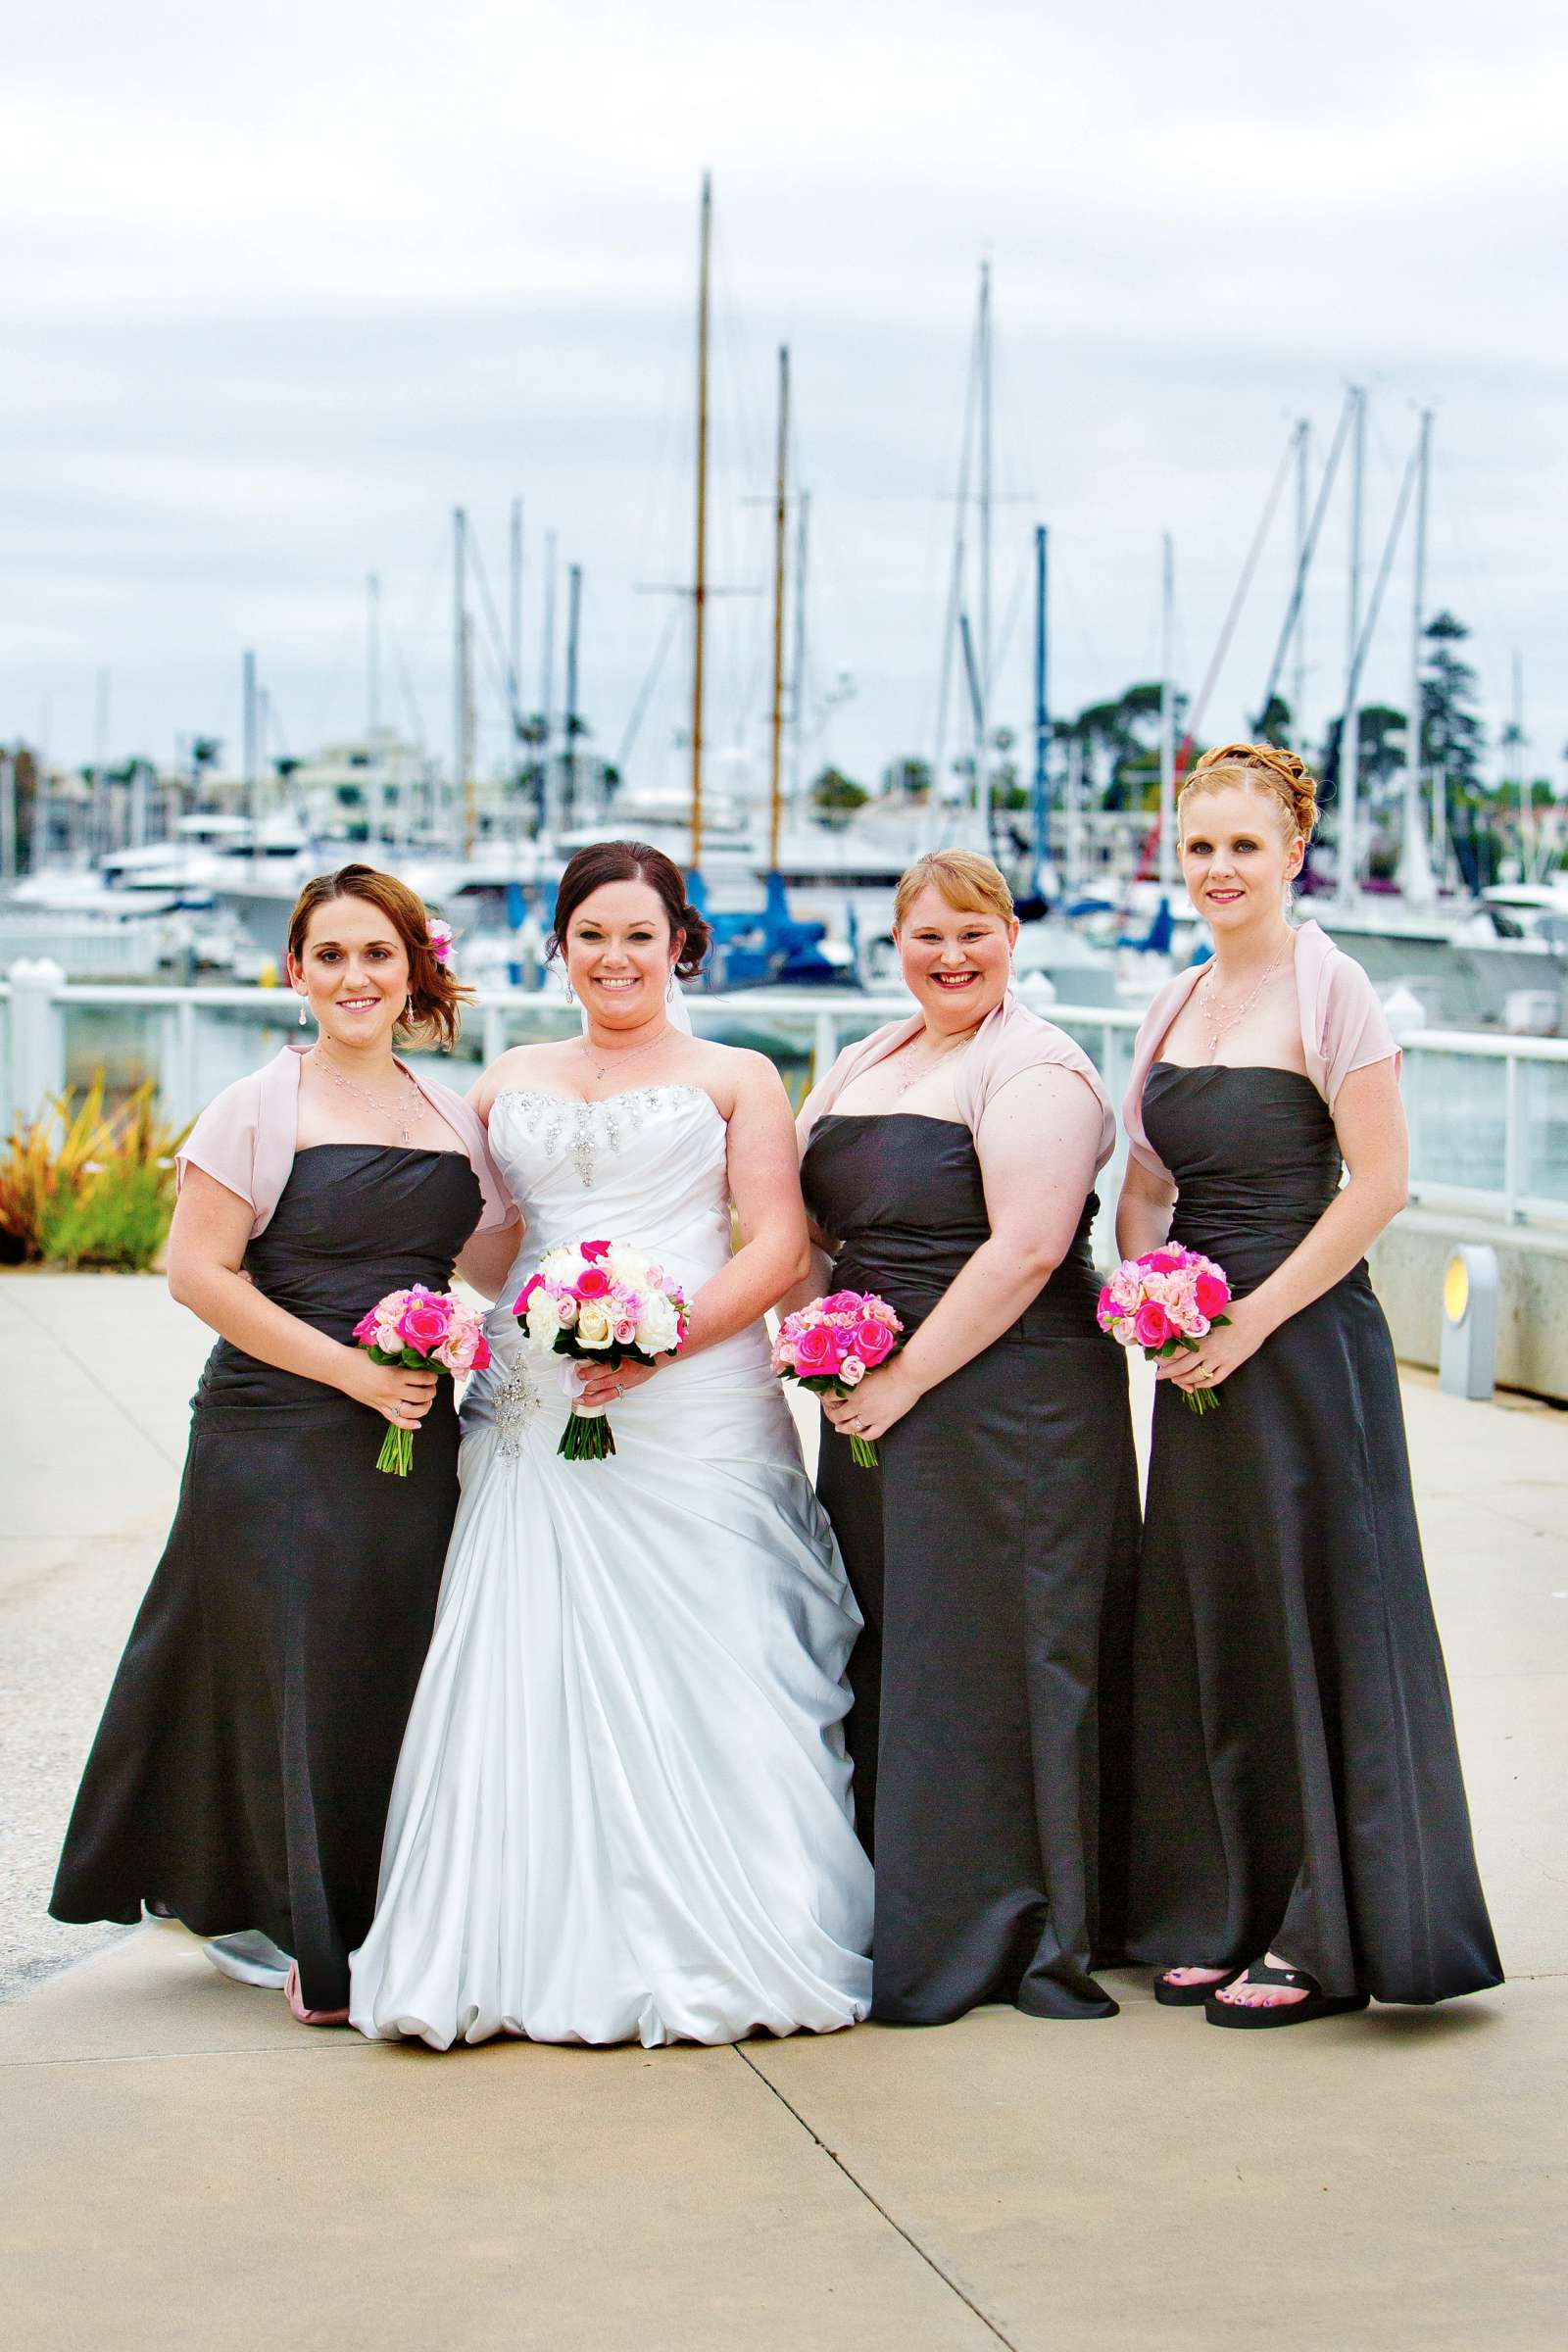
623,1807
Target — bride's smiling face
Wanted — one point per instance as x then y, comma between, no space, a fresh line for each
619,954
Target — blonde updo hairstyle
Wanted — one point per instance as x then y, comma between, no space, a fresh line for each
1260,767
970,884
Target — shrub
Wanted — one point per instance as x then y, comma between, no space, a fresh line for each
80,1187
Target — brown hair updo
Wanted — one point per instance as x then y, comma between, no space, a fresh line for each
605,861
1263,767
435,997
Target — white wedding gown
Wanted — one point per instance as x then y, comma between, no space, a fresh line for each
623,1807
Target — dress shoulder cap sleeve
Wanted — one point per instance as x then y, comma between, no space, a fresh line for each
223,1142
1344,1026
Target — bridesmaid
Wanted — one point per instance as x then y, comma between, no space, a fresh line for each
1300,1835
953,1158
240,1777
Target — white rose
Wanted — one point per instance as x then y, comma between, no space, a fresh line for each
593,1324
543,1320
658,1329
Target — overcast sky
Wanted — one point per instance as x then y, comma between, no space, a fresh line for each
282,286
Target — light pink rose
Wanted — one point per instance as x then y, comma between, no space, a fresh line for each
852,1371
566,1308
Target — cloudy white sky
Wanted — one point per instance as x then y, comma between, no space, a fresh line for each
282,286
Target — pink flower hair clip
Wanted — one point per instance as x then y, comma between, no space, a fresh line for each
439,935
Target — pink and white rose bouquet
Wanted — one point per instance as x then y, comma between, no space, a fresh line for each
830,1345
1166,1301
600,1303
425,1331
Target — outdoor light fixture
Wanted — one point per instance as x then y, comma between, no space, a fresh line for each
1467,1362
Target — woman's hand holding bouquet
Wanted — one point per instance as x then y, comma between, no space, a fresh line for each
418,1331
608,1305
830,1345
1166,1302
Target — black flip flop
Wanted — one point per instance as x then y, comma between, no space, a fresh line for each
1192,1996
1317,2003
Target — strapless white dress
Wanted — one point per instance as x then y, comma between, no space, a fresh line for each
623,1809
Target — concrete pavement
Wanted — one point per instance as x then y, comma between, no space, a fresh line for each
184,2166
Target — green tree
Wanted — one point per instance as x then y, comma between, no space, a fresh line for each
836,796
1452,737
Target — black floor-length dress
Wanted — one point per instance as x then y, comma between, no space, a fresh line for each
1296,1780
241,1773
992,1554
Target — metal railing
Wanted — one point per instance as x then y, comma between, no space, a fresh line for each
1488,1113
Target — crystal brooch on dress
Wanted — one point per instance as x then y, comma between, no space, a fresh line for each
517,1402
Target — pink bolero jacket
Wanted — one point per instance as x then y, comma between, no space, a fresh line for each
245,1137
1343,1028
1009,1039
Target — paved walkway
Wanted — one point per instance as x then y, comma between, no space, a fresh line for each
185,2167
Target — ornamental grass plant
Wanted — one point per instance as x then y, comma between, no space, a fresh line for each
82,1186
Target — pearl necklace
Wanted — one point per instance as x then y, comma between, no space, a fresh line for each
1221,1028
404,1114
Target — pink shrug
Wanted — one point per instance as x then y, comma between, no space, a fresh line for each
1343,1028
245,1137
1007,1041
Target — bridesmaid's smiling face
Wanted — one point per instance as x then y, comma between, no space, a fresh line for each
1239,856
619,954
354,972
957,960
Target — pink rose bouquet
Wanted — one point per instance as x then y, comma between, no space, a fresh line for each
830,1345
426,1330
600,1303
1163,1303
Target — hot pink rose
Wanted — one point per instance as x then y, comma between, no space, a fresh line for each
1211,1294
1161,1261
519,1304
1153,1325
423,1324
364,1328
593,1283
873,1341
841,1302
593,1251
816,1349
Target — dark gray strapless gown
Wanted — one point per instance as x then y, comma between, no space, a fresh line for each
241,1774
993,1555
1296,1780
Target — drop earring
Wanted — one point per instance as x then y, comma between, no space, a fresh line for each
304,1016
669,992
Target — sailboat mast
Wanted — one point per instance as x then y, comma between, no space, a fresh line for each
780,523
1303,462
1167,714
460,654
803,536
700,570
983,711
1351,721
1042,808
1415,865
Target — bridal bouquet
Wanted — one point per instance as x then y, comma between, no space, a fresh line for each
1163,1303
426,1330
830,1345
599,1302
